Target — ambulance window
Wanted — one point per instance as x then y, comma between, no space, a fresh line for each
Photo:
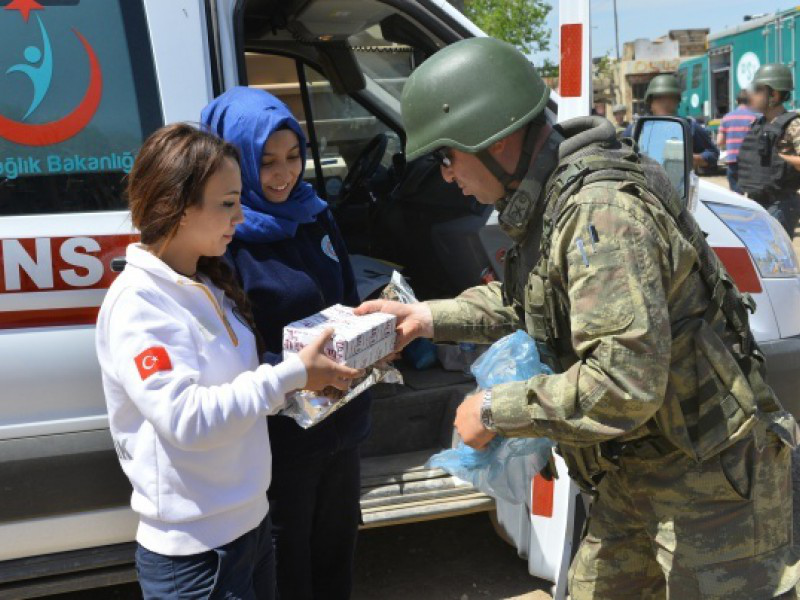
386,63
697,75
638,90
682,79
344,128
79,96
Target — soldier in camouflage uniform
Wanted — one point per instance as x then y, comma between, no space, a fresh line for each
769,158
658,403
662,99
619,112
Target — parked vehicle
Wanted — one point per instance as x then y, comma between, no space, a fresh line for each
693,78
120,69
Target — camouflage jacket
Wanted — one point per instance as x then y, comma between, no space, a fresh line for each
636,354
618,365
790,142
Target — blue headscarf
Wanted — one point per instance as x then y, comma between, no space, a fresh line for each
246,118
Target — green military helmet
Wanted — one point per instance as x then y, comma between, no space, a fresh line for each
470,95
662,85
776,76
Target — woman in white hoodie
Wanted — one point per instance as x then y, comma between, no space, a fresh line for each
186,397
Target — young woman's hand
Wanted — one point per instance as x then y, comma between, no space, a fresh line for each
322,371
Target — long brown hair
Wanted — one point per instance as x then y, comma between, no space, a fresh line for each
168,176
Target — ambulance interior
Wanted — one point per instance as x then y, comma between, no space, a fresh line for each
340,67
341,72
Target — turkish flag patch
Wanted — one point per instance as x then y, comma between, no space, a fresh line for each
153,360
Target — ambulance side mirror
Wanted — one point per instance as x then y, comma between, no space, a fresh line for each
667,141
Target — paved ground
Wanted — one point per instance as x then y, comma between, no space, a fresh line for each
450,559
458,559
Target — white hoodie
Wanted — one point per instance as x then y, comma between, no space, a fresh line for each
187,402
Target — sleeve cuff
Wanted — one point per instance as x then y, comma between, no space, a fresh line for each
510,411
443,329
291,373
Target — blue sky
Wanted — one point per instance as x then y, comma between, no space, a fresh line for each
653,18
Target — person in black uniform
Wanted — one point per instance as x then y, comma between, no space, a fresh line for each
292,262
769,158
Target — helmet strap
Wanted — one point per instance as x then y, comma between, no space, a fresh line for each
520,206
529,146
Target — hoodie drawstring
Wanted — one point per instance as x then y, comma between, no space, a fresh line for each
220,312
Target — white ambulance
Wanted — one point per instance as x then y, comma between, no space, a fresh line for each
85,81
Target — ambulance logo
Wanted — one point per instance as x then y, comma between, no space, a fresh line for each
37,68
152,361
328,249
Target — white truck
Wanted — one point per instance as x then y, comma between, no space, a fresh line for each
84,81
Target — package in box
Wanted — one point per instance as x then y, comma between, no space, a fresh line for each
358,342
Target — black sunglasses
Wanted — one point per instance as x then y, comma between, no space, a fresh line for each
442,156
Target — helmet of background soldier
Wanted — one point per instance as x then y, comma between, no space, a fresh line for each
619,108
470,95
665,84
774,75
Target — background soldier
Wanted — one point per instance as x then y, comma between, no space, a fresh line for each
620,110
649,402
769,158
662,98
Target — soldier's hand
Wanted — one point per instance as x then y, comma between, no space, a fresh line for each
413,320
792,160
469,425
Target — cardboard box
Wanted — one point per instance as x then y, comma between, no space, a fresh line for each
357,342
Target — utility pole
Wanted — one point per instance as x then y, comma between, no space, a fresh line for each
616,28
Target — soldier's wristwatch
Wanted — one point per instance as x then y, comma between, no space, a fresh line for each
486,411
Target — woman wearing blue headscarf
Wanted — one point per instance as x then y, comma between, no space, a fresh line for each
292,262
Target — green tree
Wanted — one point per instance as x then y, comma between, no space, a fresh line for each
548,68
604,66
518,22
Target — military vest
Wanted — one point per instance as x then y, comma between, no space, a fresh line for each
762,172
732,396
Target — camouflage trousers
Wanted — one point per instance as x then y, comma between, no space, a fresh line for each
667,527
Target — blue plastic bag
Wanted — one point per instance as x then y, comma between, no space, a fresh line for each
513,358
505,468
